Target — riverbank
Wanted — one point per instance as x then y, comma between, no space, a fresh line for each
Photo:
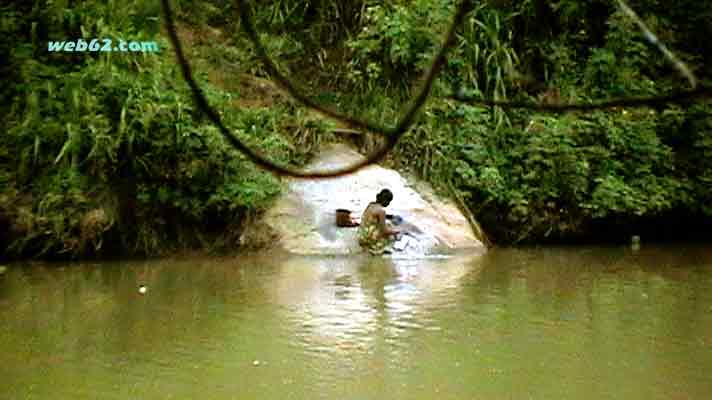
111,157
106,154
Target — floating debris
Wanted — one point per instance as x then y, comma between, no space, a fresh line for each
635,242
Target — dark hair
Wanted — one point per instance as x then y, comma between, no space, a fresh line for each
384,197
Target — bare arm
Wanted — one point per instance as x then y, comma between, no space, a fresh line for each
381,215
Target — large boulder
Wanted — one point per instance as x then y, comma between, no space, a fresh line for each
303,219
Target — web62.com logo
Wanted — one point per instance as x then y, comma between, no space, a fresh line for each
103,45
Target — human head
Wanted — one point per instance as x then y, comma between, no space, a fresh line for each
384,197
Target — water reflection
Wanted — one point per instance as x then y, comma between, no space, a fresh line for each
582,323
610,316
342,303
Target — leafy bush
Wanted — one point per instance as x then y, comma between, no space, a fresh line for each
110,146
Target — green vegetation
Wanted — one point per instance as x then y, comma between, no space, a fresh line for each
533,177
107,154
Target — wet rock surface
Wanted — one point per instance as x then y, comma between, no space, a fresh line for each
303,218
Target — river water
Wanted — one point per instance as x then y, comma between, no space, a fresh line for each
552,323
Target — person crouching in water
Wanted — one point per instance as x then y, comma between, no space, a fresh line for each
374,234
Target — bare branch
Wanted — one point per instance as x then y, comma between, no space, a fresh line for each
700,92
289,86
392,134
650,37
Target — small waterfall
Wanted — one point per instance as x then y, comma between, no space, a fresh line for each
304,217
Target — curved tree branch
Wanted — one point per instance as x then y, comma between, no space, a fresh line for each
650,37
392,134
676,97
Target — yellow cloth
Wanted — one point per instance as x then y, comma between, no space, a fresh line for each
370,236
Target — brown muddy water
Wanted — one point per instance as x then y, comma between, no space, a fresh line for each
552,323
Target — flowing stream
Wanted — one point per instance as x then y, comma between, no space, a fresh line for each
553,323
303,218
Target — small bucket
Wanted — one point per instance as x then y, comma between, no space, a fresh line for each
343,218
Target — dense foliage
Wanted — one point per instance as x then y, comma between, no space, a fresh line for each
534,177
106,151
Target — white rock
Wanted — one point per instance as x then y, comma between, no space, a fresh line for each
304,216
